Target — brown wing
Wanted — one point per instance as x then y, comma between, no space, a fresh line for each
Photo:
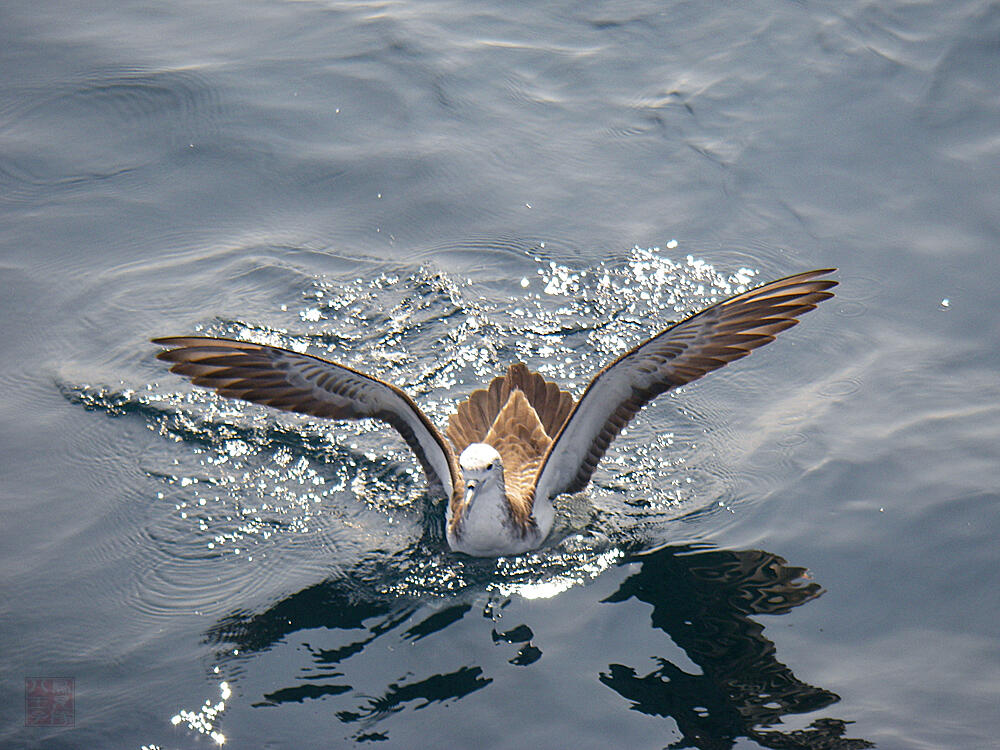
520,439
305,384
686,351
475,416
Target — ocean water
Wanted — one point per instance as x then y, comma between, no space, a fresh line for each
799,551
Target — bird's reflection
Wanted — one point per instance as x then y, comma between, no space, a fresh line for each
703,599
350,606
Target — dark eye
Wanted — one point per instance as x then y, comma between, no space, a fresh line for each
488,468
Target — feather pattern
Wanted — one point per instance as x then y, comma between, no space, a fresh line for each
518,436
686,351
309,385
475,416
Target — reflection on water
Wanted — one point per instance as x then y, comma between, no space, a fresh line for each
336,606
246,497
703,599
439,687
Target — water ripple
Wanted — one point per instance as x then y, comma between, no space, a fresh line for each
50,141
246,492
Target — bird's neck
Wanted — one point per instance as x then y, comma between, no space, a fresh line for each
487,527
491,507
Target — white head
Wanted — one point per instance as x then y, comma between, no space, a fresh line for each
479,458
481,471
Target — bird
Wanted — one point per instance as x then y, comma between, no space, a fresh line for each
515,445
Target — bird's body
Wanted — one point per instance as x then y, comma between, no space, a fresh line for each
522,440
487,525
503,433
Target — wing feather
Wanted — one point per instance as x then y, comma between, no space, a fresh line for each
475,416
305,384
520,438
706,341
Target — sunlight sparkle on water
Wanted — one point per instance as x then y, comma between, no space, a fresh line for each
252,479
582,571
203,720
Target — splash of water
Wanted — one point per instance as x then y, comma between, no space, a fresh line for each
247,478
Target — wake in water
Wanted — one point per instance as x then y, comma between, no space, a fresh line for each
252,477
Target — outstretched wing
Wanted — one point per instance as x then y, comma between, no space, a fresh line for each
706,341
309,385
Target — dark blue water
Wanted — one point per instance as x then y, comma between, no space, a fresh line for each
797,552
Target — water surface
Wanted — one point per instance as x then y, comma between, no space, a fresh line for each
797,552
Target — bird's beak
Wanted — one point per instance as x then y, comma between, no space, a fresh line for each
471,488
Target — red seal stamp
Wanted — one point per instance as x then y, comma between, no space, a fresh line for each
49,702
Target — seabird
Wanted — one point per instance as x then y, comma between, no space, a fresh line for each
522,440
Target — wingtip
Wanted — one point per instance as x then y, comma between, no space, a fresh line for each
196,340
828,283
170,340
815,277
815,273
825,272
